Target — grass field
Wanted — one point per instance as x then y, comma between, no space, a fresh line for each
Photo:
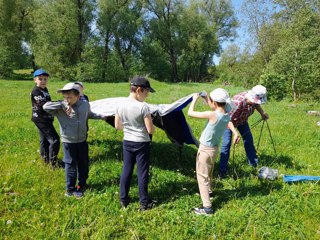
33,206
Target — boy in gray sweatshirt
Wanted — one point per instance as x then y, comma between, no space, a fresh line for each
72,115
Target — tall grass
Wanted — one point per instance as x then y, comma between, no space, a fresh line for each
32,199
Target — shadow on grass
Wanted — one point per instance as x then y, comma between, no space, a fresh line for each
166,156
170,157
111,149
264,188
271,160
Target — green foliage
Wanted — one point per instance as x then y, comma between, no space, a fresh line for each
276,85
14,26
32,198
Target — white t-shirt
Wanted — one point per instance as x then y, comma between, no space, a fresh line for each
132,114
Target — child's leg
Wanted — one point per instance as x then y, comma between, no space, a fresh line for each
54,144
49,142
70,154
44,144
143,163
127,170
204,167
83,164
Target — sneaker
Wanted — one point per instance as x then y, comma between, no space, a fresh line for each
203,211
76,193
124,204
254,163
151,204
69,193
222,175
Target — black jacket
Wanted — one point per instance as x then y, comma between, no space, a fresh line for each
39,97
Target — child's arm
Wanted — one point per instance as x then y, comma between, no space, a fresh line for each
236,137
117,122
195,114
53,107
93,115
149,124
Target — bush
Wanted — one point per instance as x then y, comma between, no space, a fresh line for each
276,85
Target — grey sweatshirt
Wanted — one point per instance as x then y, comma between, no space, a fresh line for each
73,127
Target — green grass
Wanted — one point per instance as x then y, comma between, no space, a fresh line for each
32,199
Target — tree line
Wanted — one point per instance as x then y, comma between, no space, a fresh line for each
283,51
110,40
169,40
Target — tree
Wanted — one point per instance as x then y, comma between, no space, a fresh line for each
297,60
15,29
61,29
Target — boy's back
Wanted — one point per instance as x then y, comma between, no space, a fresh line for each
132,113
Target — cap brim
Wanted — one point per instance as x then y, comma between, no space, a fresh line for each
151,89
65,90
45,74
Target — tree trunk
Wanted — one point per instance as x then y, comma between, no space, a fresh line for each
80,29
174,69
105,56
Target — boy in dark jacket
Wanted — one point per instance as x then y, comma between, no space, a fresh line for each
49,138
72,114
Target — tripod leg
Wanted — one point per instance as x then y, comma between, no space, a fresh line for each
274,148
260,135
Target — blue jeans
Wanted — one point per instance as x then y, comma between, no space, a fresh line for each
247,138
135,152
76,161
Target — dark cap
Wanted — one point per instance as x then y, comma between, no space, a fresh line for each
39,72
141,82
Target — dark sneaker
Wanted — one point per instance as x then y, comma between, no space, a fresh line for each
203,211
124,204
151,204
222,175
76,193
69,193
253,164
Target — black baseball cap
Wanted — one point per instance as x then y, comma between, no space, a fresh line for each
141,82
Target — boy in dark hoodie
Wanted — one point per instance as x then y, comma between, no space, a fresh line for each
49,138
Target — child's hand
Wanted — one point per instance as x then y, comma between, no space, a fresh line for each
236,139
195,96
68,110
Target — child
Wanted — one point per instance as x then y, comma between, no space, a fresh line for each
49,138
72,114
83,97
218,119
133,116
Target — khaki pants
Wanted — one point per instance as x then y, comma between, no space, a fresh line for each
206,157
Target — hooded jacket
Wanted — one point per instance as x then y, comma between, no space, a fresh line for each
73,127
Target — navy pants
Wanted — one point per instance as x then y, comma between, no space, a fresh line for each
247,138
135,152
76,161
49,141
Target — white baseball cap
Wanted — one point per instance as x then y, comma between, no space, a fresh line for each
222,96
257,95
69,86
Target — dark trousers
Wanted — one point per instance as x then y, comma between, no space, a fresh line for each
76,161
135,152
49,141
